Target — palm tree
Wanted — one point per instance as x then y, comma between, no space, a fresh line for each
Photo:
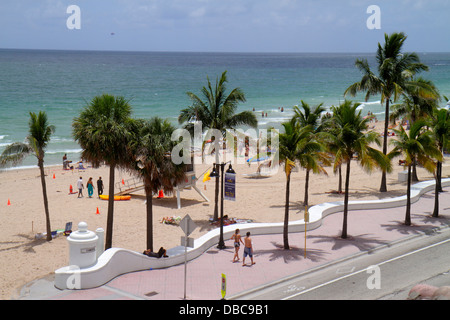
37,140
419,146
217,111
151,152
311,152
102,130
289,142
329,132
353,142
419,101
440,125
395,73
309,115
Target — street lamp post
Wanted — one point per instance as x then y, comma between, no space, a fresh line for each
215,173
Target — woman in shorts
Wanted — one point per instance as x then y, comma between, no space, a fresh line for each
237,244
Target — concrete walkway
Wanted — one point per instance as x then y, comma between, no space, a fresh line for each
367,229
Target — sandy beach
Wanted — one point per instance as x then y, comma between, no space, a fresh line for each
24,258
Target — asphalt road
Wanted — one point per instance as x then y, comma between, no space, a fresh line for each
386,274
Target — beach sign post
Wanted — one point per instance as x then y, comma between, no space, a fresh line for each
230,186
224,286
188,226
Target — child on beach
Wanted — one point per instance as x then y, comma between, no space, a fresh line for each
248,249
237,243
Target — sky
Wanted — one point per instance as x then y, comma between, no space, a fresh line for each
223,25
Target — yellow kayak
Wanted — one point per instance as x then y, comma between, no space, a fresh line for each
116,198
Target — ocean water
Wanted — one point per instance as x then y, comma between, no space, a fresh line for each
61,83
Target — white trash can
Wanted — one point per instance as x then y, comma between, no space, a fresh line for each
82,247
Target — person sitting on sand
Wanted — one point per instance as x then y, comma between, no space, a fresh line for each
80,165
161,253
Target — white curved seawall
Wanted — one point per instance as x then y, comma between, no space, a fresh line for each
115,261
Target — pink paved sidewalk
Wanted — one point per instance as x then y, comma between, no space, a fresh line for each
367,229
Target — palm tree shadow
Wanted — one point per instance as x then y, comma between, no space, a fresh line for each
399,226
443,220
293,254
205,225
28,245
363,242
293,205
367,191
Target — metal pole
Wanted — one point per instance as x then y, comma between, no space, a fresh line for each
185,266
221,241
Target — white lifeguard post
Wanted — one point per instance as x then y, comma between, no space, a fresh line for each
190,181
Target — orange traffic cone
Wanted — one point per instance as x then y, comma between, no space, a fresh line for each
161,194
9,202
53,176
123,181
98,212
70,189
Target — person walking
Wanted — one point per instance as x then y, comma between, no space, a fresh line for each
80,187
248,249
237,244
90,187
100,186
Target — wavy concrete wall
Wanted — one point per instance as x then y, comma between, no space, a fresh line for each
116,261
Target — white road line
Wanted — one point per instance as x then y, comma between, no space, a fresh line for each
364,270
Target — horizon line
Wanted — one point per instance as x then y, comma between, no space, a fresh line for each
210,52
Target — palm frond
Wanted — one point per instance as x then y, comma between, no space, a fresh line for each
14,154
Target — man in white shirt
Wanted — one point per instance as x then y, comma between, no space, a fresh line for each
80,187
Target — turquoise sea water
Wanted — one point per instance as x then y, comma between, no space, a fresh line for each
62,82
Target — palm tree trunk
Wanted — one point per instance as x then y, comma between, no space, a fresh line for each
149,198
286,214
347,184
408,199
109,220
436,196
340,180
383,187
439,175
44,193
305,201
414,176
